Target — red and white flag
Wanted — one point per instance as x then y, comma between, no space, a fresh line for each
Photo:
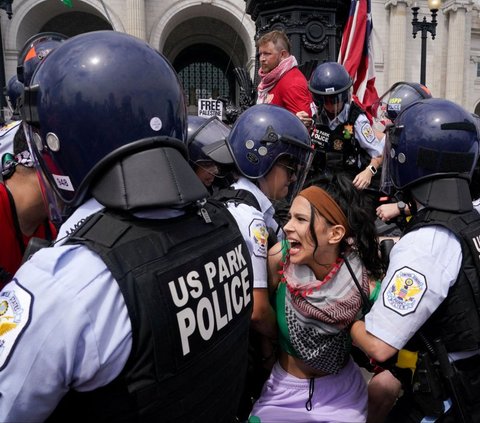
356,53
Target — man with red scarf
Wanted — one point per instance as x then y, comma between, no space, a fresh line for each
282,83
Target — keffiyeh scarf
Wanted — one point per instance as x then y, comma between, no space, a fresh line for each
10,161
271,78
318,313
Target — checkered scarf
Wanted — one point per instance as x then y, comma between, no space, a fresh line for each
10,162
318,313
269,79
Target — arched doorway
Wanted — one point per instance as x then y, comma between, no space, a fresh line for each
74,23
205,72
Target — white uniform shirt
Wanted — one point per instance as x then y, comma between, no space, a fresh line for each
254,226
7,132
364,133
424,264
476,204
63,324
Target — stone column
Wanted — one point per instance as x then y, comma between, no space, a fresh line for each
135,24
456,11
397,37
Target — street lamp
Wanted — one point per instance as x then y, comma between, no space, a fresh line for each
425,27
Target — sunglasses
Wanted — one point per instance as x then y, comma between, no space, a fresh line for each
210,167
291,170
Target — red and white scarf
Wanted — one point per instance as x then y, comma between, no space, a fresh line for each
269,79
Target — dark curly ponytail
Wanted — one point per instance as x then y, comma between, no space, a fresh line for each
360,219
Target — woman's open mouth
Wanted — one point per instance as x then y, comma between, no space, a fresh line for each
294,246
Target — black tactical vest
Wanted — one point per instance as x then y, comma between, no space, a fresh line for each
457,321
338,150
187,285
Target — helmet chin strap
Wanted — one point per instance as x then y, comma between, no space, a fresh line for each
445,194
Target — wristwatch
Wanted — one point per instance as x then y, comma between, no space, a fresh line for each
401,206
372,169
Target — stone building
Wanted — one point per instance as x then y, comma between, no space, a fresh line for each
207,39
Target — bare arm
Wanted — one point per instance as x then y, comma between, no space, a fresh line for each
363,179
273,263
263,317
305,118
390,211
376,161
370,344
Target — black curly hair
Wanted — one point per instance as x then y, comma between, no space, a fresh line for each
360,220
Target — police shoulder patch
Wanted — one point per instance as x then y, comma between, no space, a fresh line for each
15,312
405,291
367,132
8,127
259,236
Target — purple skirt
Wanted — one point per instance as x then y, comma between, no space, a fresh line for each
335,398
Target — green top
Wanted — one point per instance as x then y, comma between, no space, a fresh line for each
280,295
375,293
283,334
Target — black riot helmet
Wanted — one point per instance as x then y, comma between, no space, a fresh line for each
265,133
431,151
94,127
330,86
403,94
34,51
203,135
13,92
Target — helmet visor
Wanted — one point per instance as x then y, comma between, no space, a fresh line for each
390,162
287,175
206,141
213,131
332,104
56,208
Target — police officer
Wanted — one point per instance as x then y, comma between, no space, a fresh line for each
398,97
141,312
271,150
401,95
22,212
345,140
33,52
209,163
12,92
429,312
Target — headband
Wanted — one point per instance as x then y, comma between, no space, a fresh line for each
326,206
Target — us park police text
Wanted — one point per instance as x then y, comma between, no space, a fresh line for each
208,307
